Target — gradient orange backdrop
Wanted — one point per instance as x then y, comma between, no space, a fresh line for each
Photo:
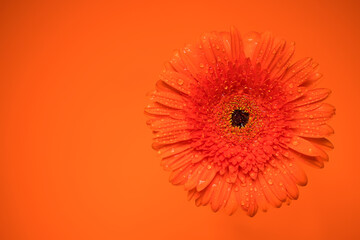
75,155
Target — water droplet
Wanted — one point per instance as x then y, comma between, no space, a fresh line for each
201,65
242,179
295,143
209,167
270,182
236,189
180,81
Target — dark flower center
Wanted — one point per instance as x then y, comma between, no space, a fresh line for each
239,118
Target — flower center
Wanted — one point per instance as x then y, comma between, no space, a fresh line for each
239,118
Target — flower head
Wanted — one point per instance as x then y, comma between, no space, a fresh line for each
233,117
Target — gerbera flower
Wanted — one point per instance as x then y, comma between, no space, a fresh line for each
233,118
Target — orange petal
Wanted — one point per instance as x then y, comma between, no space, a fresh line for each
251,41
312,161
177,81
325,107
206,178
323,155
209,190
173,150
323,111
314,132
171,137
323,143
308,107
298,73
305,147
252,210
176,161
165,124
159,110
180,175
237,45
263,49
198,200
275,56
192,194
226,40
231,204
271,198
312,79
221,192
193,178
274,184
289,184
240,191
214,48
297,173
280,65
178,64
194,60
312,96
168,99
250,199
260,198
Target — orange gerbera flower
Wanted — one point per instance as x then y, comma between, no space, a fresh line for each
233,118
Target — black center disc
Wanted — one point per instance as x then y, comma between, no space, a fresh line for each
239,118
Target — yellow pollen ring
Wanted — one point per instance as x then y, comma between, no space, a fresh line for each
224,111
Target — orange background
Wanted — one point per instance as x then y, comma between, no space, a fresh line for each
75,156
